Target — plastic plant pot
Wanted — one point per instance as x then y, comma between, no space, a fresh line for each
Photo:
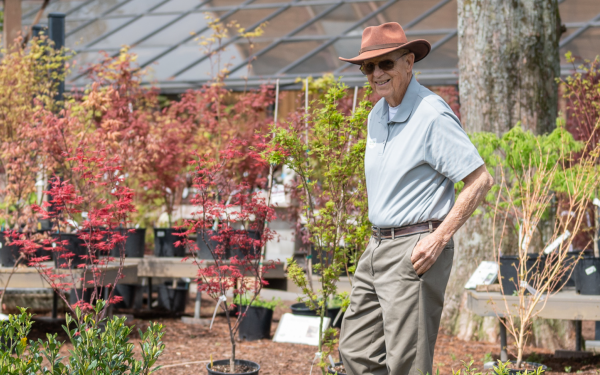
74,245
508,270
164,243
256,325
201,241
529,370
234,249
587,276
8,253
134,245
173,299
300,308
225,362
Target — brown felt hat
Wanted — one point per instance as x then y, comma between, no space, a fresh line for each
388,37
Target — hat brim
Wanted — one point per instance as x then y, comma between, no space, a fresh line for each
419,47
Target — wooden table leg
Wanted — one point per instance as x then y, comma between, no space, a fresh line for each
503,344
149,293
197,305
54,304
578,335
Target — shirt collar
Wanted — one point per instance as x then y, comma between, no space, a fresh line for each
408,102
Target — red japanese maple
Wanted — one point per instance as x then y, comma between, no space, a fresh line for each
225,206
96,212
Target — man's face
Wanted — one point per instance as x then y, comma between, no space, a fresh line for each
392,83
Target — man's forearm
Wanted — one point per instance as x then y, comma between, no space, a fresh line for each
477,184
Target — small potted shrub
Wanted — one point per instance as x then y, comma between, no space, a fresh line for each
326,151
540,177
243,275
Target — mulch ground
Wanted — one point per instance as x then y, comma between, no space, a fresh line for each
188,349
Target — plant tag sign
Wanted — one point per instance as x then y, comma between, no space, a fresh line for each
298,329
590,270
160,233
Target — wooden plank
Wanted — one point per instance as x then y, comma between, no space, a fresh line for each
566,305
171,267
12,22
28,277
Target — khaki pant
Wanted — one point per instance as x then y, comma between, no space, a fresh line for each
392,323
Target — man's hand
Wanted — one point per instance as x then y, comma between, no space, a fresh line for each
426,253
477,184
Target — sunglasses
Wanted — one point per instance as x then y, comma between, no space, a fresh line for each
384,65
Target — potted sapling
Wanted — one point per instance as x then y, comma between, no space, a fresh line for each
223,206
539,177
325,149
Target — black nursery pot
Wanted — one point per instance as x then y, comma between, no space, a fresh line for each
173,299
300,308
234,249
253,365
164,243
256,325
74,245
201,241
134,245
587,276
522,371
332,371
8,253
508,270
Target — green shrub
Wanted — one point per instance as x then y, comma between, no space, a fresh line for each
99,347
258,302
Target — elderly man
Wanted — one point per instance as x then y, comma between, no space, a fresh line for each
416,152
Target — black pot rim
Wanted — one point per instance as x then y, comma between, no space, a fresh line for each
535,364
256,307
332,371
237,361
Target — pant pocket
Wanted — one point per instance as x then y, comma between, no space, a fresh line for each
409,263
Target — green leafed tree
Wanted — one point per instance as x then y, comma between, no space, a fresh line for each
326,151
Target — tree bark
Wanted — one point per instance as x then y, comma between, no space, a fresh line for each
508,64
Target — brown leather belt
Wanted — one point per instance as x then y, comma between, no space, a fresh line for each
391,233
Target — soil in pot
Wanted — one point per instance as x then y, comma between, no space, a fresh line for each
587,276
135,244
529,366
201,241
241,367
8,253
240,245
508,270
164,243
338,369
256,324
73,245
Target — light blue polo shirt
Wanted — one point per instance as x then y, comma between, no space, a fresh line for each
413,160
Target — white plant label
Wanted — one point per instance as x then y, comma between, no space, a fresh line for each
590,270
160,233
297,329
0,245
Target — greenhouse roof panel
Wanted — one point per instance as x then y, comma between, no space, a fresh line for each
301,37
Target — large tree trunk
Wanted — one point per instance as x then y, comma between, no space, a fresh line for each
508,63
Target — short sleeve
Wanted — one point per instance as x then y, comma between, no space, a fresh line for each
449,150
